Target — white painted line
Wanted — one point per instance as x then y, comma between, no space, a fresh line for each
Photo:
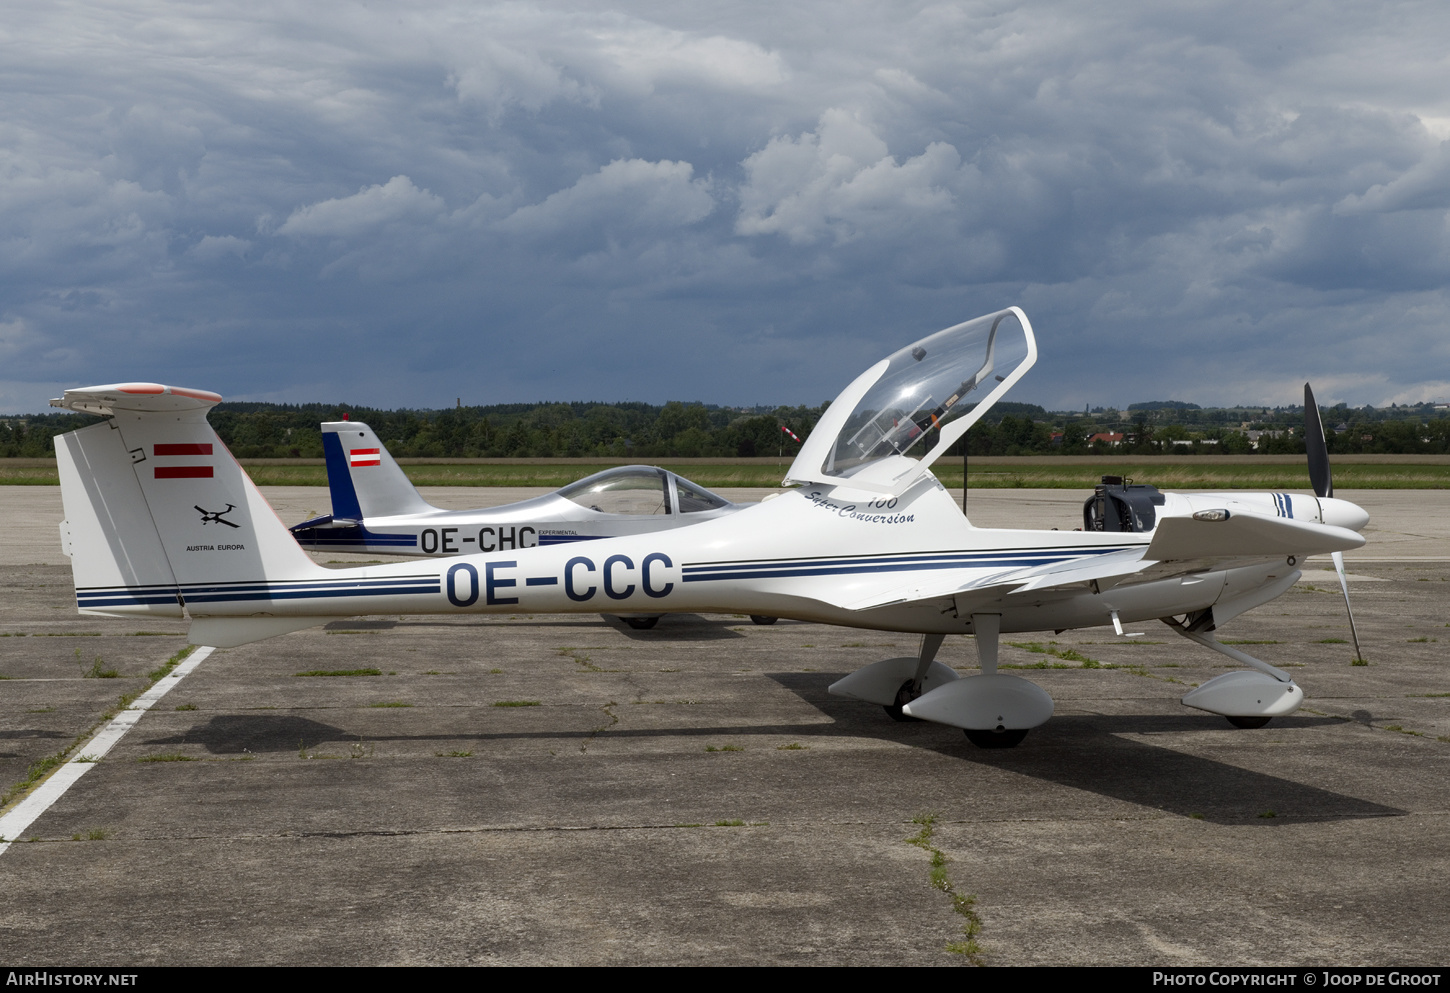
13,824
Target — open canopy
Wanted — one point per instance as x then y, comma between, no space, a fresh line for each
899,416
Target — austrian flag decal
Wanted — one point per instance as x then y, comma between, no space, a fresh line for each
179,470
364,456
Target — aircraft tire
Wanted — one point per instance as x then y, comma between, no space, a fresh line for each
995,739
640,623
903,697
1248,723
763,619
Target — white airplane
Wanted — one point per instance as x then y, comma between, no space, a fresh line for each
377,510
160,520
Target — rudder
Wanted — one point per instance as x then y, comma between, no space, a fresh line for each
117,561
362,476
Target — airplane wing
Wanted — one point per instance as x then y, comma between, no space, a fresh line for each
1180,545
1246,535
944,586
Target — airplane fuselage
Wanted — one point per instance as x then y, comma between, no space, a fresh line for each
763,559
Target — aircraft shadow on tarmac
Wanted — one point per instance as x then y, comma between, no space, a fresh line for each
1082,752
27,734
1087,753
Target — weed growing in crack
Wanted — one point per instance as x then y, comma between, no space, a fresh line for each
1051,648
165,668
579,658
963,904
98,669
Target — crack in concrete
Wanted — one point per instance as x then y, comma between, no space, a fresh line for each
963,904
613,720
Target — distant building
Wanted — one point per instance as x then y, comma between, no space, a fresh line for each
1107,439
1254,436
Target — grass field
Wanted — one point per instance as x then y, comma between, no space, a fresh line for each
1178,473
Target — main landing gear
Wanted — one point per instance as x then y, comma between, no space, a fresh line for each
994,710
1249,699
911,688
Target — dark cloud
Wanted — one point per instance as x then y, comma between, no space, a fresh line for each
397,205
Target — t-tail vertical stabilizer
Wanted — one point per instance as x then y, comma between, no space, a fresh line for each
160,516
364,480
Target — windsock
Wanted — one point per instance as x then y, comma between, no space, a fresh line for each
788,431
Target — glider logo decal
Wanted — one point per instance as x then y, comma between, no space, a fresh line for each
218,516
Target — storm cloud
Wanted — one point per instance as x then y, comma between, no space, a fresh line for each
400,205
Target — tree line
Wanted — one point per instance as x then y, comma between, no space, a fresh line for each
647,432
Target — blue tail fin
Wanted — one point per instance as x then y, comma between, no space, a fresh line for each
362,476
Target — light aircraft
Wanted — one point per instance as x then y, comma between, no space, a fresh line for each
377,510
868,538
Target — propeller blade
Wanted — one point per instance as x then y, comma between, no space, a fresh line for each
1319,476
1316,447
1344,585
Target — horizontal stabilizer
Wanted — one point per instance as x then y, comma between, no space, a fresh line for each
146,397
1246,536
